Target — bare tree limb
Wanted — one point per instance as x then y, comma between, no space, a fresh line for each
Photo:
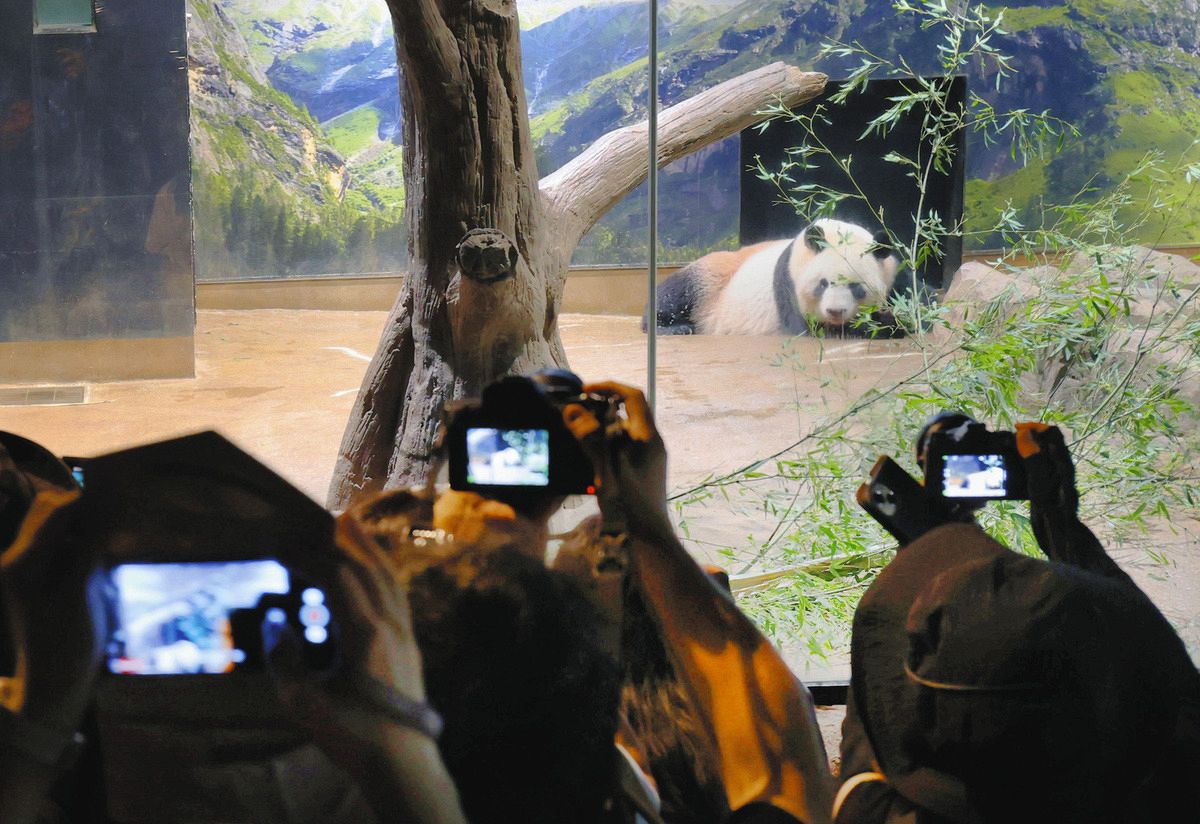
582,191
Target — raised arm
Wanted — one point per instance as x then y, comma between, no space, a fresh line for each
50,593
1054,502
370,717
760,716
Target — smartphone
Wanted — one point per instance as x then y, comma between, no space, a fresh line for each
77,467
211,618
901,505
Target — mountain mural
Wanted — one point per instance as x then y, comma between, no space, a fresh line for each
274,193
1126,72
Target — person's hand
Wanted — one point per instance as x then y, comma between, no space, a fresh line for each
376,645
1049,470
1054,502
370,715
53,596
486,523
629,458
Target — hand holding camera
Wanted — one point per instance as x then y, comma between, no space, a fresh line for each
51,589
1054,502
378,677
629,457
531,440
965,466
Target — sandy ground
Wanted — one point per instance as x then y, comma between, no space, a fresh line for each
281,384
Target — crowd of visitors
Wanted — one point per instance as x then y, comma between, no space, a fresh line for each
418,658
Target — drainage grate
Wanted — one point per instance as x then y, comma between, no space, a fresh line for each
42,395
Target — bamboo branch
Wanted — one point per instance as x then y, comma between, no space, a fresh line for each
582,191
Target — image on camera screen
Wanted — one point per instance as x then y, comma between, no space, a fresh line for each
173,619
508,457
974,476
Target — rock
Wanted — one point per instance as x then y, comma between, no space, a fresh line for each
977,284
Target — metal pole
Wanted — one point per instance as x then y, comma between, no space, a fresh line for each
652,179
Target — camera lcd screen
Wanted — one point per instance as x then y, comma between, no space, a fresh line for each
974,476
174,619
508,457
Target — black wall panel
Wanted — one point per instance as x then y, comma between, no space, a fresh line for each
95,180
763,217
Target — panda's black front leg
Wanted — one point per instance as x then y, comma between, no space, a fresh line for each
678,329
677,298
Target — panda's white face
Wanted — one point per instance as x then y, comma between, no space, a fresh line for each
838,300
846,270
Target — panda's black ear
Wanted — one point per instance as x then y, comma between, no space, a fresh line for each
882,245
814,238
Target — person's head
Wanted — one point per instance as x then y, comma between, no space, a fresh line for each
512,662
997,687
26,468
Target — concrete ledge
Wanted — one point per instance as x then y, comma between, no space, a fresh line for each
354,294
105,359
615,290
601,291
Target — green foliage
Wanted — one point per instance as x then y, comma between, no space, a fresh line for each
249,227
1086,333
378,173
353,131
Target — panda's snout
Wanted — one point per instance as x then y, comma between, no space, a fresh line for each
836,316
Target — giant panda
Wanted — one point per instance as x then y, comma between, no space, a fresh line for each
823,276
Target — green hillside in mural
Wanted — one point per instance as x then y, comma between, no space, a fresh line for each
1126,72
274,196
298,123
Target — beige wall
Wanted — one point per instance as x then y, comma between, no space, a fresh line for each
598,291
107,359
590,291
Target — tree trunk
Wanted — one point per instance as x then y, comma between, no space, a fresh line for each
462,319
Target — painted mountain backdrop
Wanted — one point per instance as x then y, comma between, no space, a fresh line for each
296,112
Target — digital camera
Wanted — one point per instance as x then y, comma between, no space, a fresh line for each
513,444
197,539
212,617
967,463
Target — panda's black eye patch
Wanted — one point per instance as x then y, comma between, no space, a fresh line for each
858,290
824,284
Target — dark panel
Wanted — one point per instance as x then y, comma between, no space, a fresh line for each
95,179
884,183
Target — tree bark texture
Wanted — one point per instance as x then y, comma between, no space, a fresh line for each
469,164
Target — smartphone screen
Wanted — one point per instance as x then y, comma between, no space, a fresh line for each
508,457
974,476
175,618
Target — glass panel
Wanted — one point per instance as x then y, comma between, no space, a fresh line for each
771,428
60,15
95,199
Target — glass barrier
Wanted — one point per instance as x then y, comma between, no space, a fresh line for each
948,132
777,404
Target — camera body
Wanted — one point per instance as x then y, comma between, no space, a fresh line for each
197,538
971,465
965,467
212,617
512,443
